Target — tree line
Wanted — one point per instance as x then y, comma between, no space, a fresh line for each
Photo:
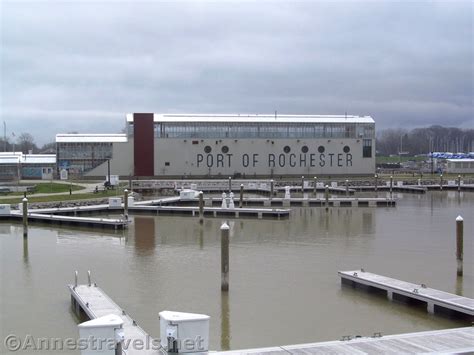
389,141
424,140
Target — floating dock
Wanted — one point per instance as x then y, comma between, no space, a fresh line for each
447,341
318,202
115,223
435,300
95,303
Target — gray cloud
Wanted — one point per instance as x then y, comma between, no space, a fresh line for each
69,66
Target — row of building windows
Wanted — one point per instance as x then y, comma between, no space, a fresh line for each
99,151
262,130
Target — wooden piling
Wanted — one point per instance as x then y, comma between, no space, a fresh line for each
441,182
326,196
25,217
272,187
302,184
459,244
125,204
241,197
225,257
391,185
347,187
230,184
459,183
201,207
315,184
376,182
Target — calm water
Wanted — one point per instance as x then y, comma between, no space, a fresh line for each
284,287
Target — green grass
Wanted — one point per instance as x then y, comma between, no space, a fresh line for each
47,188
58,198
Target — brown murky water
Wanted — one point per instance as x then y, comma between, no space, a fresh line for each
284,287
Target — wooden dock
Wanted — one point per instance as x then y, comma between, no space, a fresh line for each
95,303
278,213
435,300
447,341
115,223
314,202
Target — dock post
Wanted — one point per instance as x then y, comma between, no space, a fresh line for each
225,257
459,183
271,188
230,184
391,185
441,182
241,197
315,184
376,182
326,196
25,217
459,244
125,204
75,278
302,184
201,207
89,283
347,187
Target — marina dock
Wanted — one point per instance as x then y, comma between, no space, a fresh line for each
447,341
95,303
435,300
115,223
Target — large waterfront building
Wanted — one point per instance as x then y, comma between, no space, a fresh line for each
185,145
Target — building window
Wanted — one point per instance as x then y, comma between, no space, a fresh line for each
367,148
167,163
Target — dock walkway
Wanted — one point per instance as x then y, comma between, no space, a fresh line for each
435,300
447,341
95,303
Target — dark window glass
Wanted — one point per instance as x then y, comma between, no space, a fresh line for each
167,163
367,148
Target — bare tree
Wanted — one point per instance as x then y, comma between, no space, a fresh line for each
26,142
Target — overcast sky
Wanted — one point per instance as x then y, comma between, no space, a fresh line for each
81,66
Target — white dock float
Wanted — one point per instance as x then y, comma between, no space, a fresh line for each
115,223
95,303
435,300
447,341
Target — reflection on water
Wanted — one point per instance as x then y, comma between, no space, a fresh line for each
282,272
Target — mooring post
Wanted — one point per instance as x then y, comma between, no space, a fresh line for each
315,184
459,243
201,207
75,278
376,182
241,197
326,196
272,187
125,204
225,257
391,185
459,183
89,278
441,182
230,184
347,187
25,217
302,184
